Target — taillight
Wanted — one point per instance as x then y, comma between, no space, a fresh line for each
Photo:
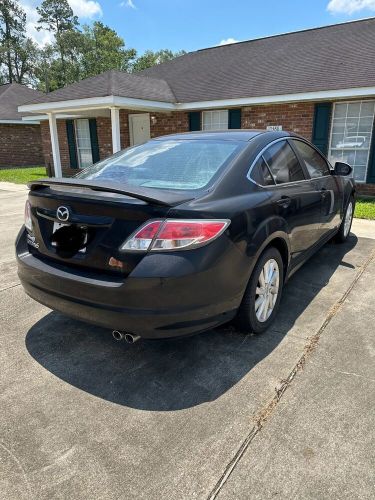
28,221
174,234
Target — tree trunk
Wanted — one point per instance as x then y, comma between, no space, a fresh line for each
7,42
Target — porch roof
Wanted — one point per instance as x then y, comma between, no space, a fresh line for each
112,83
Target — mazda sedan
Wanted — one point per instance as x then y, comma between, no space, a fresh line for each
183,233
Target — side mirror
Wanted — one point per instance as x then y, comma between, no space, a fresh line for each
342,168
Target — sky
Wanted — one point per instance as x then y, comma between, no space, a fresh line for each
196,24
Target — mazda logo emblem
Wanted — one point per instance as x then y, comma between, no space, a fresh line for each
62,213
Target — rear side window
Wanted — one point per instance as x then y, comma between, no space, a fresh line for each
283,163
315,164
261,173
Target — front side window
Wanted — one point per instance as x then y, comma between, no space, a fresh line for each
83,140
167,164
315,164
283,163
215,120
351,133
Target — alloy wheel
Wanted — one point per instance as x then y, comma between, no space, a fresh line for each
348,219
267,290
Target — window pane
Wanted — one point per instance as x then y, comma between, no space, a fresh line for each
283,163
83,143
215,120
314,163
351,135
261,174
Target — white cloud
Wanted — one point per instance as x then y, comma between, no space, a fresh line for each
128,3
86,9
227,41
350,6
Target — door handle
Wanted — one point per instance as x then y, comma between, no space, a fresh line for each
284,201
323,192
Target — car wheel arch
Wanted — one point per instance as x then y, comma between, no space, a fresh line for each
279,240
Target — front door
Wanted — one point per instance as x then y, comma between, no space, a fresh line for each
318,170
295,197
139,126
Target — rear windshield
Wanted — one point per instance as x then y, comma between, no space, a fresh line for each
168,164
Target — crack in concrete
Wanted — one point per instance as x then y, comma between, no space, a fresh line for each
17,461
265,413
351,374
9,287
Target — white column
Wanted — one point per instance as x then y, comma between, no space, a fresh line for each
115,121
55,145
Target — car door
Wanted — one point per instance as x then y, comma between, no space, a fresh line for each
317,168
294,198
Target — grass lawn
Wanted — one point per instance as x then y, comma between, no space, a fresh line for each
365,208
22,175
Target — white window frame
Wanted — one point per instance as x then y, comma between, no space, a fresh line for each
371,133
210,113
76,141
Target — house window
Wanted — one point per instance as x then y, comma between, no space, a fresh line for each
83,140
351,133
215,120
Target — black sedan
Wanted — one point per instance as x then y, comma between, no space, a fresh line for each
183,233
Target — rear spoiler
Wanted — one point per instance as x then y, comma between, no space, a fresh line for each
162,197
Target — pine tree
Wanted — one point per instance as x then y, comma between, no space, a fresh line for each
12,34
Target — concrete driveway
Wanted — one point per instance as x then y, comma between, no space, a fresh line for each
288,414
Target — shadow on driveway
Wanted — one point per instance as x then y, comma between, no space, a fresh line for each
174,374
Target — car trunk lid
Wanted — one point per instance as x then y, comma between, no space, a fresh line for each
82,224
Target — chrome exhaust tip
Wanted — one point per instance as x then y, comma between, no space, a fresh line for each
117,335
130,338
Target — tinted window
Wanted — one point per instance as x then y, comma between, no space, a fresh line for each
261,174
283,163
167,164
315,164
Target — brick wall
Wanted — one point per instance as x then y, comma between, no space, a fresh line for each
169,123
366,189
20,145
297,117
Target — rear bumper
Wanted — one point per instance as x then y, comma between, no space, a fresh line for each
147,306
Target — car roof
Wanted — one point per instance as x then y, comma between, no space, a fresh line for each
244,135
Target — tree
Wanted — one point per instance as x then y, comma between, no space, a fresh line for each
151,58
104,49
24,59
12,33
58,17
44,71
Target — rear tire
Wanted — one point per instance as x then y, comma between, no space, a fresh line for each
346,223
263,293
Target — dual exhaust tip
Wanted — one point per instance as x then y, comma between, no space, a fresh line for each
128,337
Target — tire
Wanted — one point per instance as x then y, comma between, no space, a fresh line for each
248,316
344,229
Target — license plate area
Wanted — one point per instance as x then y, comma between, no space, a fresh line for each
77,237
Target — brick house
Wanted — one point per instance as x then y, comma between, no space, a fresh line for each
20,141
319,83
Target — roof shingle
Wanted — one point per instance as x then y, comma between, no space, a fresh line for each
13,95
113,82
328,58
